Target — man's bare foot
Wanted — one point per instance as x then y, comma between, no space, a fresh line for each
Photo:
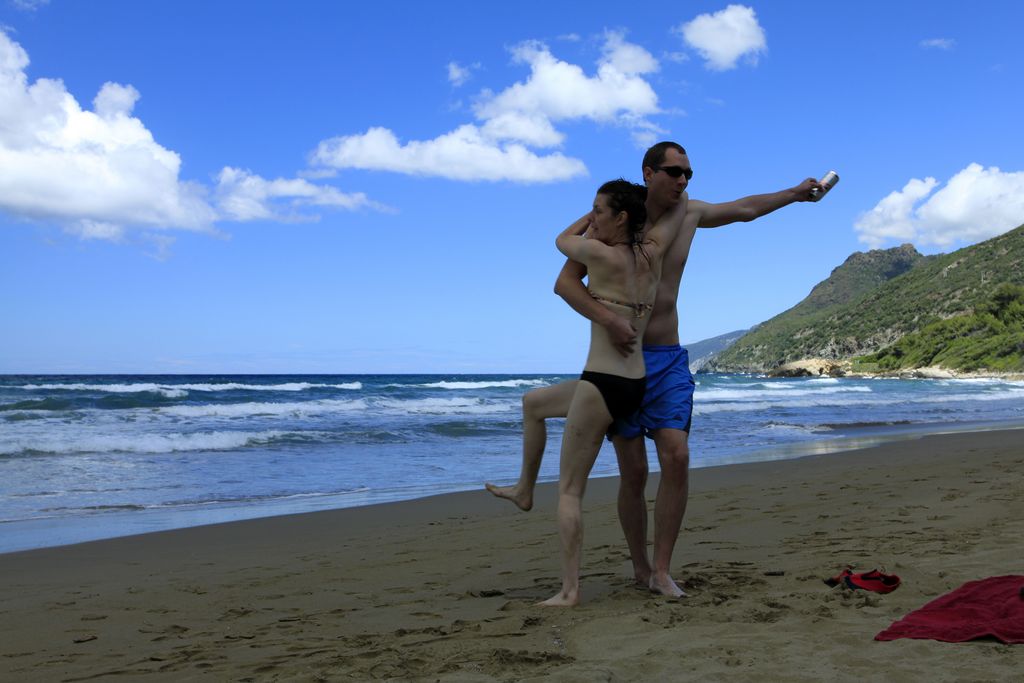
562,599
663,584
522,499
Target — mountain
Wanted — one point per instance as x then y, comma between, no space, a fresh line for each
767,345
700,353
860,273
876,298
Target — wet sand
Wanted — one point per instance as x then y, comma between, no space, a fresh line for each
445,588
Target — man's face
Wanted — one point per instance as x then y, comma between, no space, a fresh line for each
661,186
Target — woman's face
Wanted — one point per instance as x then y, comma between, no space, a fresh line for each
604,221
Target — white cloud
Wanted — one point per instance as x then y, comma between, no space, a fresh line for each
161,245
29,5
464,154
940,43
98,173
628,58
58,161
244,196
644,139
530,129
517,119
96,230
975,204
559,90
892,218
318,173
458,75
115,100
725,36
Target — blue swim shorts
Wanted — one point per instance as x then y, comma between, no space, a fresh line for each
668,401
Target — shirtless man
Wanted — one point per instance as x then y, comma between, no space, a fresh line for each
668,402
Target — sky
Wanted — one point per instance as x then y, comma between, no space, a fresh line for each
314,187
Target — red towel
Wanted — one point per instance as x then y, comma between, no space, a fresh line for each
990,607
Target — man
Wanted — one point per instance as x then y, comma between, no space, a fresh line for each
665,415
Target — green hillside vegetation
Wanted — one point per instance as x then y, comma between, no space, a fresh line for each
992,338
859,274
931,290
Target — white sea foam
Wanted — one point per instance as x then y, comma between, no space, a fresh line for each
981,381
169,391
293,409
707,408
1012,393
180,390
781,392
448,406
741,385
503,384
287,386
255,499
776,402
139,443
783,429
817,400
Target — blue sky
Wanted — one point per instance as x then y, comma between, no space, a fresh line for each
340,187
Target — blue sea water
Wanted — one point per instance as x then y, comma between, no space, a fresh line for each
84,457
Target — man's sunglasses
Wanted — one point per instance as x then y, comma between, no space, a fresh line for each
675,171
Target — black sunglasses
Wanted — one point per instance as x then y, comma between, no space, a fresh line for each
675,171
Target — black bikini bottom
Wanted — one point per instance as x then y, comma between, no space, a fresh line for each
622,395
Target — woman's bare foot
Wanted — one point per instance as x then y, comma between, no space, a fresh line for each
663,584
563,599
522,499
642,577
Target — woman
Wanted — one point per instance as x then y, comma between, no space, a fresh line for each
623,266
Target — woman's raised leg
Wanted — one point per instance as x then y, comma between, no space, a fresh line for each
538,405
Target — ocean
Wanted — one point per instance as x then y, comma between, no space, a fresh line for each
88,457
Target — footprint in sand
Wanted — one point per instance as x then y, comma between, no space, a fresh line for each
758,616
821,612
235,613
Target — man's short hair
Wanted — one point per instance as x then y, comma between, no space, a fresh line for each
656,155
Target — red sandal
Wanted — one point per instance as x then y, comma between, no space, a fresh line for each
873,580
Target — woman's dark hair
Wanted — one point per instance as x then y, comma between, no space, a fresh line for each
629,197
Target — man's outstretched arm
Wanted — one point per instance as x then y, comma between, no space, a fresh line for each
754,206
569,286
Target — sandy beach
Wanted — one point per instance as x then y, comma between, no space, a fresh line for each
445,588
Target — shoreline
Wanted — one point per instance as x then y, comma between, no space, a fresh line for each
23,535
443,588
844,368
